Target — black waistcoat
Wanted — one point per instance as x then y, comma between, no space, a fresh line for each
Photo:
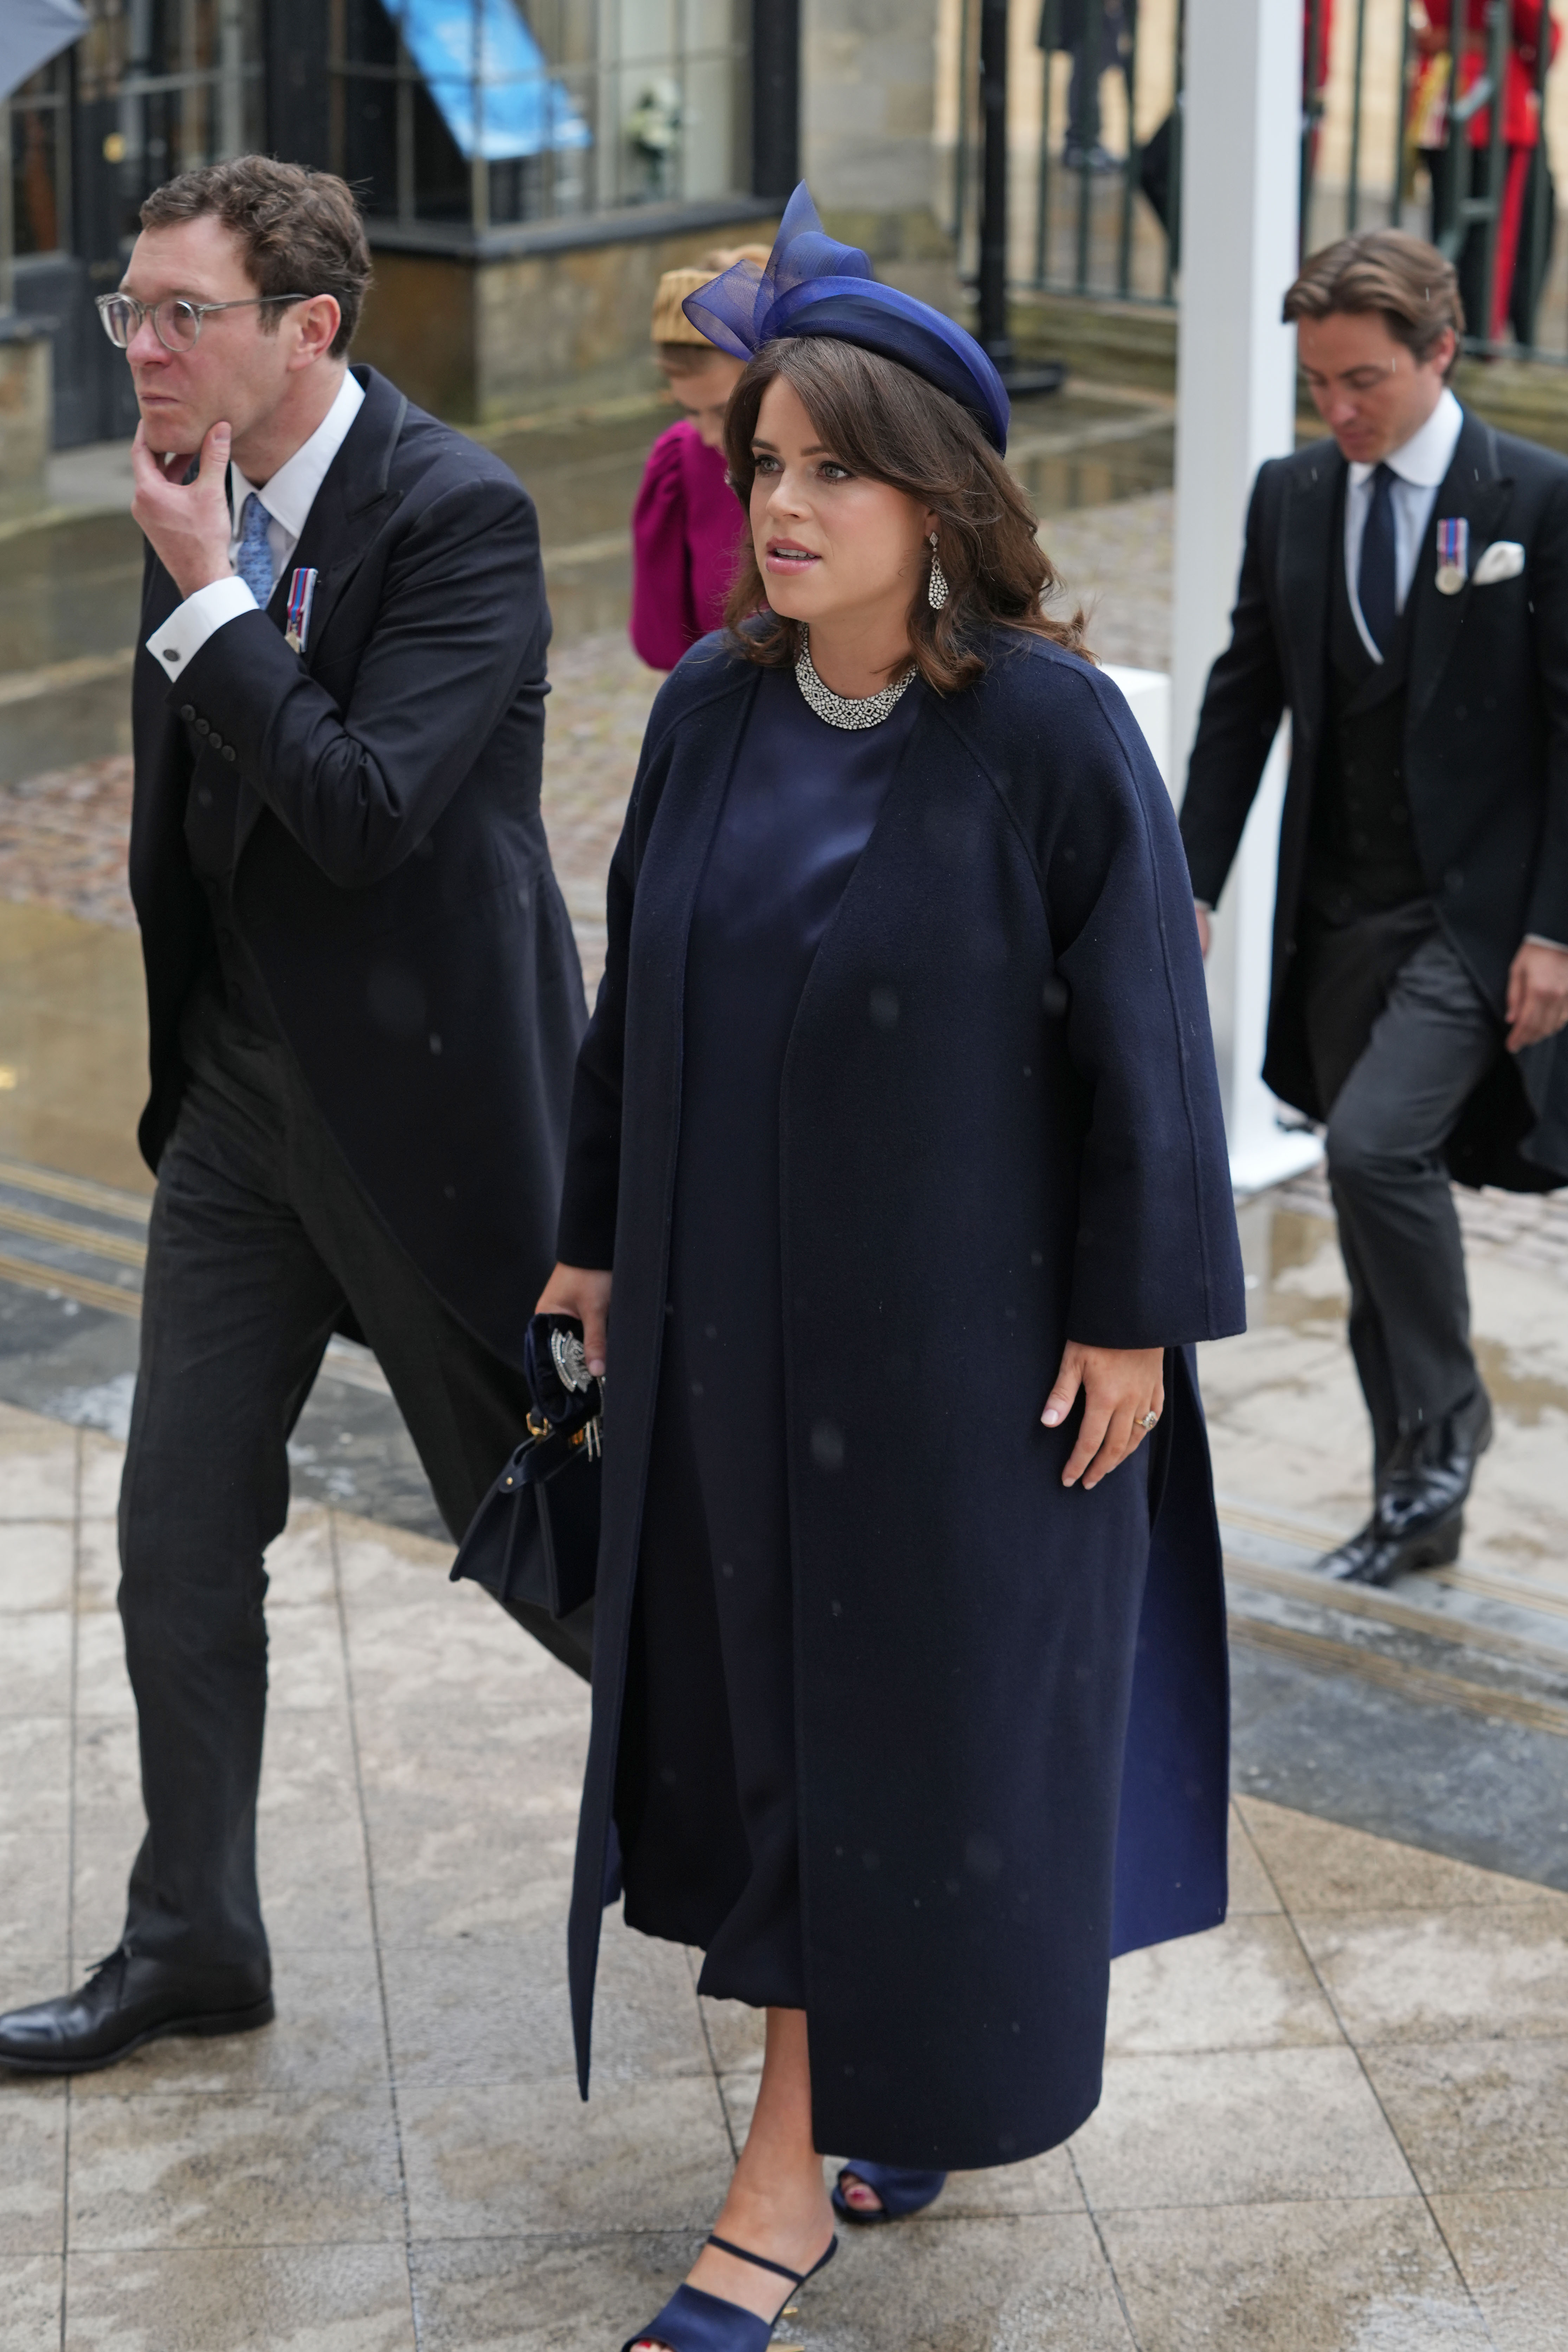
1362,856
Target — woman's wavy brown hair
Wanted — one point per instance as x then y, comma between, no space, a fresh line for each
883,421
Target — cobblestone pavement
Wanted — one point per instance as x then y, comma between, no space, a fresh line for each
63,841
1337,2124
1116,562
64,835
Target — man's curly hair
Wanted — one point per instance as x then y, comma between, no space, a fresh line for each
300,230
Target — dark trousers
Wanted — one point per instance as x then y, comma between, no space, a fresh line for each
260,1237
1399,1034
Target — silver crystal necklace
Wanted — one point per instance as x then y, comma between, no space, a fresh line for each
842,710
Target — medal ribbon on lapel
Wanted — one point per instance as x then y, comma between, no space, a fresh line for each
1453,553
302,595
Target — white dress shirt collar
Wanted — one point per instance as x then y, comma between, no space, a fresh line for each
1426,457
291,492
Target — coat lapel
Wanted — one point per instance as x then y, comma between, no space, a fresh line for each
348,510
1306,552
1476,488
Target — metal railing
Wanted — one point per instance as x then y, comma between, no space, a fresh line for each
1088,220
1398,124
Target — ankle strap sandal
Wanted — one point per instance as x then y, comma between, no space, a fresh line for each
695,2321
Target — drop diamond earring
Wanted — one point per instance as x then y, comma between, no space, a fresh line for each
937,590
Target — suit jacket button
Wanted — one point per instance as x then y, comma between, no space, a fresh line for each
203,726
230,752
187,711
214,739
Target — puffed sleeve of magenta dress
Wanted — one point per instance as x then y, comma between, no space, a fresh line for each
685,535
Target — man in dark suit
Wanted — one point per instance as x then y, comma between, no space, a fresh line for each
364,1001
1404,595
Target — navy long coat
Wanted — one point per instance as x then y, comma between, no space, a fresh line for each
1000,1129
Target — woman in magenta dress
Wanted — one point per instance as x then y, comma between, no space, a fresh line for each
686,523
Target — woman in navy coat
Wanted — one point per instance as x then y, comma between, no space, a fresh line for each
897,1137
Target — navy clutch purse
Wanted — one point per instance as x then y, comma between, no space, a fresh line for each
535,1537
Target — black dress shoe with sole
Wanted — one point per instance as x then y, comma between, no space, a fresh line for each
1420,1513
1378,1554
129,1999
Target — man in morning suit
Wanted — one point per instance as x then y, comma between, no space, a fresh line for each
1404,595
364,1001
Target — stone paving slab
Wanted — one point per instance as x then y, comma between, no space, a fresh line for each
1335,2124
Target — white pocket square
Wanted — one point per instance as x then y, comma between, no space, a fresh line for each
1503,560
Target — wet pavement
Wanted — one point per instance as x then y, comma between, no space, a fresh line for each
1337,2123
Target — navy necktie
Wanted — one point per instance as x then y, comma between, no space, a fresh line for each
1376,583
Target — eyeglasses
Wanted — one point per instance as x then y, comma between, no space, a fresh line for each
176,322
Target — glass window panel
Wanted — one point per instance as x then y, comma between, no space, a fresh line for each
539,110
186,75
40,142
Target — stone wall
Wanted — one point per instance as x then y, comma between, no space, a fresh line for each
481,339
868,99
868,89
25,413
581,315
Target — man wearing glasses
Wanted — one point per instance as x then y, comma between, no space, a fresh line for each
364,994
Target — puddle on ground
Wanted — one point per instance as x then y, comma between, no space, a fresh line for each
1521,1395
1295,1277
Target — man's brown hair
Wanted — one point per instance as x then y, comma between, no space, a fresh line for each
299,230
1382,269
883,421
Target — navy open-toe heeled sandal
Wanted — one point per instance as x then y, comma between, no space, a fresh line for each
903,2192
693,2321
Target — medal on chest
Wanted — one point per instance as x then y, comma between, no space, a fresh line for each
301,594
1453,554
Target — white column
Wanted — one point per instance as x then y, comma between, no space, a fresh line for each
1235,407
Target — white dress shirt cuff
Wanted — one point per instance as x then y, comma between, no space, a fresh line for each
182,636
1535,939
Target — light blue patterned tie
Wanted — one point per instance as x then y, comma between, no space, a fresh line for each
254,561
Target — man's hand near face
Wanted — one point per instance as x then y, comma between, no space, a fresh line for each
187,523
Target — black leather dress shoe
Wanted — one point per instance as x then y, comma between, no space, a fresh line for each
128,2000
1420,1513
1377,1555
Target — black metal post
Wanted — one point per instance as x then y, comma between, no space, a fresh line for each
775,97
1401,123
1352,200
296,58
993,337
1311,108
961,142
1499,28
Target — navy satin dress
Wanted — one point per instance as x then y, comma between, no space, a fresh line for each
706,1787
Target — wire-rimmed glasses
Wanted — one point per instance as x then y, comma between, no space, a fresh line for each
177,320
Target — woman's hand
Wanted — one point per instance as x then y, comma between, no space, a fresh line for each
583,1291
1121,1386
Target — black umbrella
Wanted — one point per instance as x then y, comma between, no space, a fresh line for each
31,33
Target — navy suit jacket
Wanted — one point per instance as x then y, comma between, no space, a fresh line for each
377,798
1485,756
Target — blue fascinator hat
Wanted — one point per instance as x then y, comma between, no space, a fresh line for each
812,284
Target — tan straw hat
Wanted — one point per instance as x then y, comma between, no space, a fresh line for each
670,323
